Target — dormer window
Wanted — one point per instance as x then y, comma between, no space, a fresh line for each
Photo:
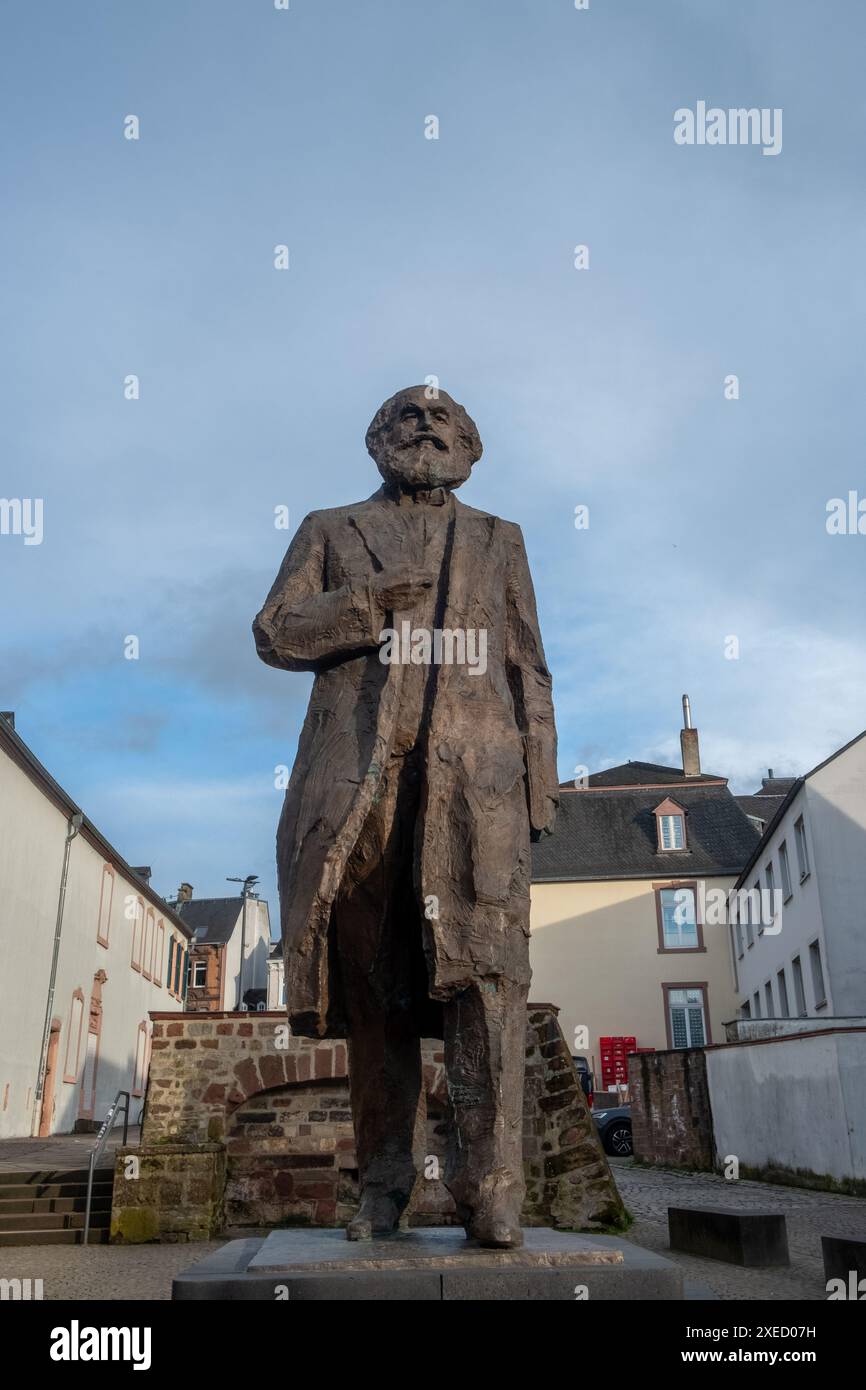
670,826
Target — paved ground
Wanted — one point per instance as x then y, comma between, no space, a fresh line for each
60,1151
146,1271
102,1271
648,1192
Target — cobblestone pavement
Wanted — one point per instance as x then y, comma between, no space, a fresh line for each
102,1271
648,1192
146,1271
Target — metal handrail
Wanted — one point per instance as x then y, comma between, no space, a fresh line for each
101,1140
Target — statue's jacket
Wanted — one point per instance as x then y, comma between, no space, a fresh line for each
490,767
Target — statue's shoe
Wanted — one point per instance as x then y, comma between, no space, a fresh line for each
495,1232
378,1215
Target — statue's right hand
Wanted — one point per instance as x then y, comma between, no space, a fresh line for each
399,587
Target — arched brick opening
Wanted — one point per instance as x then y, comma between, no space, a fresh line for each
290,1155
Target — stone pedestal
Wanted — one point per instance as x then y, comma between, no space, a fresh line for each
434,1264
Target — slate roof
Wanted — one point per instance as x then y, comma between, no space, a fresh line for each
765,802
640,774
212,919
775,786
763,807
605,834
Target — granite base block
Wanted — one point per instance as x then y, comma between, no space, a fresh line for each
429,1263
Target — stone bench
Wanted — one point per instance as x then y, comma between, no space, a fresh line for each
754,1238
842,1256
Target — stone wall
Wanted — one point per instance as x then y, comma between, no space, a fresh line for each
170,1193
671,1117
277,1108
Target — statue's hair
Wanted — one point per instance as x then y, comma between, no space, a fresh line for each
381,422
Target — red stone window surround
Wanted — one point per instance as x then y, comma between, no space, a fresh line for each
159,954
141,1059
106,895
137,934
666,814
703,985
147,952
73,1037
673,885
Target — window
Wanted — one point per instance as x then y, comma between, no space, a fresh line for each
199,974
817,975
787,890
748,911
670,826
677,918
73,1036
745,1009
782,986
757,913
137,932
106,893
802,848
671,832
159,953
147,956
756,1004
799,995
768,999
768,918
686,1016
738,927
169,979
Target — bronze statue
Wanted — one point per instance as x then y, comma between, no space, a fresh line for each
427,757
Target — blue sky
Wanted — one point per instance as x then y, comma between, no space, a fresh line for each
411,257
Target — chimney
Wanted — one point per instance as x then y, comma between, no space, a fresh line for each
184,893
9,716
689,743
143,872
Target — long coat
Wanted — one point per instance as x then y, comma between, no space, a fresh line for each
490,770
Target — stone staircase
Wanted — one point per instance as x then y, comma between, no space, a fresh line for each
46,1206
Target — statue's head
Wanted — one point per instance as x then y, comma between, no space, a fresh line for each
419,442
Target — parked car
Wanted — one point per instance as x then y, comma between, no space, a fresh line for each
614,1130
585,1076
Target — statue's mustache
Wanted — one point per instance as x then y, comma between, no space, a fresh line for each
425,439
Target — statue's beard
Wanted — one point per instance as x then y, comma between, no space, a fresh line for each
425,464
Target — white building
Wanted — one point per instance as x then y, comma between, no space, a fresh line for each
88,949
276,979
810,962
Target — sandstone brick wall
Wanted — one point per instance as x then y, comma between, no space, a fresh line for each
671,1117
172,1194
279,1108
